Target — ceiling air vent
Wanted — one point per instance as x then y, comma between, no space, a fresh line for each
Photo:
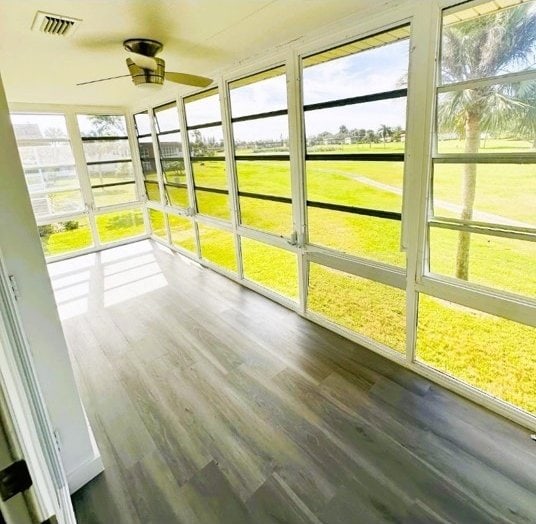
54,24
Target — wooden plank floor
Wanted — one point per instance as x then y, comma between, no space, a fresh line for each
212,404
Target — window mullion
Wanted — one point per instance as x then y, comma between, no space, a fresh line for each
297,169
185,139
230,166
83,173
425,32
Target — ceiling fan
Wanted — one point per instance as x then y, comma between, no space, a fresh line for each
146,69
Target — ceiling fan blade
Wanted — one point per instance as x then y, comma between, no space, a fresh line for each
189,80
145,62
101,80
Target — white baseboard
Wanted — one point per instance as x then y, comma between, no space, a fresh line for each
89,469
86,471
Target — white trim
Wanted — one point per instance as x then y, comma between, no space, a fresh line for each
501,304
87,470
520,76
389,276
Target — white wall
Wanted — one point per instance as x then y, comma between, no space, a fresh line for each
23,257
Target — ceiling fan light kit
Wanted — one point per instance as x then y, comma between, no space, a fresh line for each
147,70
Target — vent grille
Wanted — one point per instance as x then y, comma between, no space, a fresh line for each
54,24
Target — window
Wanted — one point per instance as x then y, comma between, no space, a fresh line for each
171,155
488,352
157,220
481,228
355,114
369,308
48,163
119,225
148,162
108,159
182,232
207,156
481,224
68,236
271,267
260,130
217,246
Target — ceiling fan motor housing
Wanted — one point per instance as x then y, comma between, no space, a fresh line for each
142,76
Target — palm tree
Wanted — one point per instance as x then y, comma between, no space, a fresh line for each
483,47
384,131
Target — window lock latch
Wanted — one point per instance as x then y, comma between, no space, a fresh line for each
293,240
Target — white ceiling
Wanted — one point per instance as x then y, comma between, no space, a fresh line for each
199,36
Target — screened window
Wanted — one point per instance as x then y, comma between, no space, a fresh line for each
355,115
260,129
482,221
147,158
48,163
108,159
205,137
171,155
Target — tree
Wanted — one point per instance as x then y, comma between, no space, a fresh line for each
483,47
383,132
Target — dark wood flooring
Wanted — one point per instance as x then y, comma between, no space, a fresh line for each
212,404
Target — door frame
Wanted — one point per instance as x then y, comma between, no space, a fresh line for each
26,424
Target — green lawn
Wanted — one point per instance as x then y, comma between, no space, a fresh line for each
74,235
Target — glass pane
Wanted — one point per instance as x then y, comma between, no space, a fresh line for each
203,108
174,171
143,123
65,237
497,118
167,118
45,154
484,254
213,204
182,232
210,173
272,217
474,45
368,237
488,352
153,191
114,195
207,141
265,177
359,68
373,127
369,308
30,127
120,225
170,145
100,174
146,148
102,125
51,178
504,193
102,151
158,224
217,246
45,204
261,136
270,267
260,93
372,185
178,196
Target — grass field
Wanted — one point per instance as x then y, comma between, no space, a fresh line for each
491,353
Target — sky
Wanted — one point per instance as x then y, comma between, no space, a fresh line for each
372,71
